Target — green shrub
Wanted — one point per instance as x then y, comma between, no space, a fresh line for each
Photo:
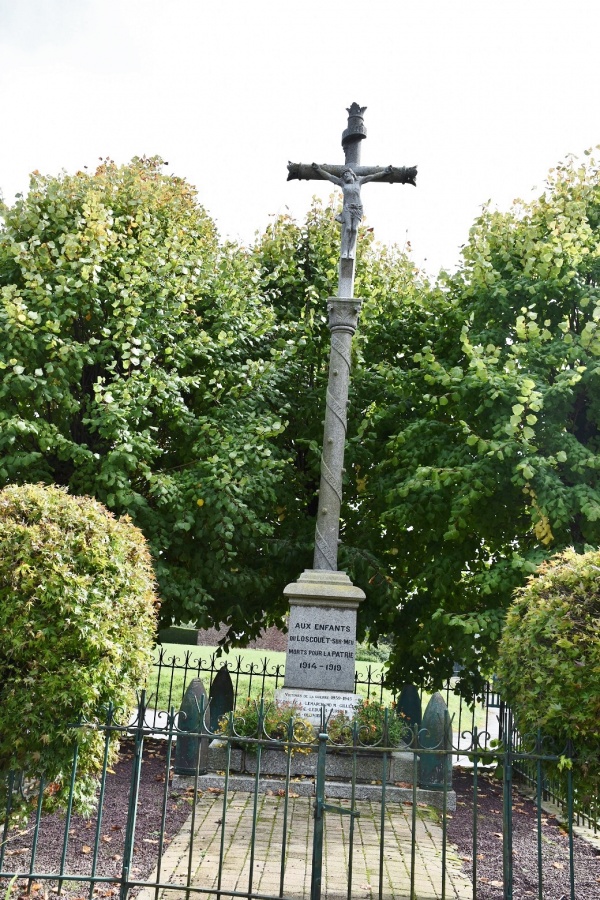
549,662
77,620
369,717
276,719
379,652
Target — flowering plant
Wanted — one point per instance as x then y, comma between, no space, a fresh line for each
268,720
370,724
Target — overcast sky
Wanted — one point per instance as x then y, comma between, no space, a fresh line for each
484,97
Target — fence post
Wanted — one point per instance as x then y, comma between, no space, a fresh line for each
317,853
507,863
136,769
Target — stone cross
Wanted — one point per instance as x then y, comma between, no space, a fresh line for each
343,319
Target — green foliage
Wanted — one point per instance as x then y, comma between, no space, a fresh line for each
486,450
77,623
267,719
549,659
368,725
132,370
183,382
366,652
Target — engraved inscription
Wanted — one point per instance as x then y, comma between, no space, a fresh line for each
311,702
321,648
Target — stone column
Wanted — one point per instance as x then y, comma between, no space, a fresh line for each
343,320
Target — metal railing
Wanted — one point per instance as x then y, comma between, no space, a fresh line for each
284,818
554,784
172,673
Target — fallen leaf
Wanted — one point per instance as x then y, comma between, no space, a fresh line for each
497,883
106,839
86,849
149,841
558,865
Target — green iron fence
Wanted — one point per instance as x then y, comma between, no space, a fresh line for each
172,673
268,815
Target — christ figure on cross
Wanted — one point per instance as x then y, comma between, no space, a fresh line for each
352,210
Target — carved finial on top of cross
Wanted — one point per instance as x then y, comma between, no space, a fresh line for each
356,130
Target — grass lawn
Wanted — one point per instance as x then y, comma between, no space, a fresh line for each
260,672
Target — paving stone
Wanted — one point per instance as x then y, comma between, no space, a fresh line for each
269,831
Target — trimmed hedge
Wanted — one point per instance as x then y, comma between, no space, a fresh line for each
549,662
77,622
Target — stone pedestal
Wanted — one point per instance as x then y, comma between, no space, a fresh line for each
319,666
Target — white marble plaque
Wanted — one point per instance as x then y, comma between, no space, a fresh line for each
311,702
321,648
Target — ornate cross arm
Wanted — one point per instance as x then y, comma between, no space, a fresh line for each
398,175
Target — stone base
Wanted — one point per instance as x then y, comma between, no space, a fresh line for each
338,764
306,788
311,702
321,631
398,776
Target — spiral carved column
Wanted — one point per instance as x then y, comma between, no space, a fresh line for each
343,320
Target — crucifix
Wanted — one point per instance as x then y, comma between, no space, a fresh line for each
319,664
343,319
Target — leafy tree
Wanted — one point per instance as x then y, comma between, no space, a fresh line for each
549,660
132,370
77,622
489,435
